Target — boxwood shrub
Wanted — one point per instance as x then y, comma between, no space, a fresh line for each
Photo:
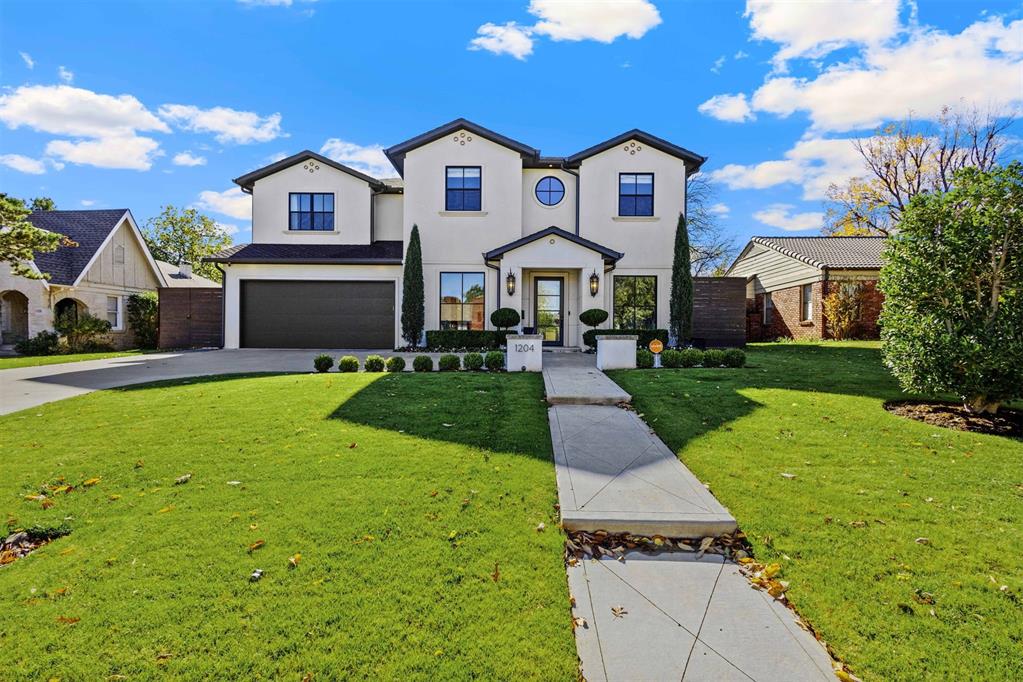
644,358
43,343
423,363
494,360
645,336
472,362
691,357
348,363
374,363
465,339
713,357
671,358
323,362
449,363
396,364
734,357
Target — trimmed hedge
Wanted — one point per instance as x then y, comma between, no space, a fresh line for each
671,358
348,363
691,357
465,339
43,343
472,362
374,363
396,364
323,362
713,357
494,360
734,357
645,336
449,363
423,363
644,358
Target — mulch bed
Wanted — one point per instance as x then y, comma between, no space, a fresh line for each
1006,422
21,542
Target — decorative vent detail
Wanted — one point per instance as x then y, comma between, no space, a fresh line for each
461,138
311,166
632,148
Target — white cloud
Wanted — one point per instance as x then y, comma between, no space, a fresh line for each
600,21
66,110
740,55
813,163
813,29
229,125
368,159
274,158
232,202
188,159
132,152
782,217
229,228
734,108
65,74
23,164
719,209
508,38
718,63
88,202
27,58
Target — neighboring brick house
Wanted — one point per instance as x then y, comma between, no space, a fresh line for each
789,277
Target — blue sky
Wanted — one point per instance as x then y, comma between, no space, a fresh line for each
111,104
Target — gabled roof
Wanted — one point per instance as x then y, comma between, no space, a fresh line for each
249,179
396,154
825,252
173,278
692,159
377,253
610,255
91,230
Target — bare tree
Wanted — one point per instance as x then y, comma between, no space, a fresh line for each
711,249
907,158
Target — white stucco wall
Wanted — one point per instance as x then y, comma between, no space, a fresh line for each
388,210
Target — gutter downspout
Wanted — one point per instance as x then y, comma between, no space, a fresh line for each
496,268
223,305
577,181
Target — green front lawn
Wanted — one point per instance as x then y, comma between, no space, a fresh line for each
39,360
867,485
412,499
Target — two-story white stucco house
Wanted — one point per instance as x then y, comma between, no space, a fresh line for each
500,225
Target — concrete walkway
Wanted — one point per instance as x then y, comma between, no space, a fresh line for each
573,379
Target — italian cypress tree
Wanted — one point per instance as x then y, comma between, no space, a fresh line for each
681,303
412,300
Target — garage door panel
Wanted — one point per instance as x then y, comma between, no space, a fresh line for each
328,314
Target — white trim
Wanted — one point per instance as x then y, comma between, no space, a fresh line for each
462,214
106,242
120,311
636,218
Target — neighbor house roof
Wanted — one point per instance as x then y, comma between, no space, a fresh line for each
693,160
249,179
377,253
91,230
173,278
396,153
610,255
826,252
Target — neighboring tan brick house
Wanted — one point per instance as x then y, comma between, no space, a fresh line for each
789,277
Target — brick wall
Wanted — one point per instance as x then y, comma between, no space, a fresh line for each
870,307
785,319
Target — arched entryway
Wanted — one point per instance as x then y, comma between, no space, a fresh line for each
13,317
69,306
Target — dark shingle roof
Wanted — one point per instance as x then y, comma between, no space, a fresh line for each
396,153
88,228
249,179
829,252
610,255
377,253
692,159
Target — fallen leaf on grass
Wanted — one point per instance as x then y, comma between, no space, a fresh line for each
922,541
47,503
293,560
181,480
858,524
114,497
540,528
66,620
256,545
496,575
234,482
921,597
788,476
447,425
353,446
166,509
90,481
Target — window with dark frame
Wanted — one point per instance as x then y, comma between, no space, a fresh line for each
635,302
550,191
461,300
768,308
308,211
463,188
635,194
806,302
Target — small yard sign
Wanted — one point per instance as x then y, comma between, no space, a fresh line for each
656,346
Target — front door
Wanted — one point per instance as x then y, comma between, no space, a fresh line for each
550,310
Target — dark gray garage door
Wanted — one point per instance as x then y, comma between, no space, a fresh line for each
317,314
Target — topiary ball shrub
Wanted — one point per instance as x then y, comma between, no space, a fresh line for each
396,364
593,317
423,363
502,318
494,360
734,357
671,358
472,362
449,363
644,359
348,363
323,362
713,357
691,357
374,363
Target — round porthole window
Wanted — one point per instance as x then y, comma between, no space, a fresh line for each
550,191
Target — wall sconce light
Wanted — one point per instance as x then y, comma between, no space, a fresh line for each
509,283
594,284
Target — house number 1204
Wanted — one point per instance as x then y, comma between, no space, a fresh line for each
524,347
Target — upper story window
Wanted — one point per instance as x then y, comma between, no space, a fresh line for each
463,188
550,191
636,194
311,211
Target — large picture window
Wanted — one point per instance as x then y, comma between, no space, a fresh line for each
461,300
310,211
635,302
636,194
463,188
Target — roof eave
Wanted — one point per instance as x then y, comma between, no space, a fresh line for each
247,181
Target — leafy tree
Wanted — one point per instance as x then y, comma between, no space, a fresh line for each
413,316
143,318
711,248
43,204
186,235
681,303
20,239
952,319
908,158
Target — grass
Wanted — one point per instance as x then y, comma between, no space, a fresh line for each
868,484
40,360
401,493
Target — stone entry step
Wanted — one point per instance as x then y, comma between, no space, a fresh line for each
573,379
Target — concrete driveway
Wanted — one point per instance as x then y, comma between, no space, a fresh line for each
26,387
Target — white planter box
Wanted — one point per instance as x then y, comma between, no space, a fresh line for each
524,353
616,352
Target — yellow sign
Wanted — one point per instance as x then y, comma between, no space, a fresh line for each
656,346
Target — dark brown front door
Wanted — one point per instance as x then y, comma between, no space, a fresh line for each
549,309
